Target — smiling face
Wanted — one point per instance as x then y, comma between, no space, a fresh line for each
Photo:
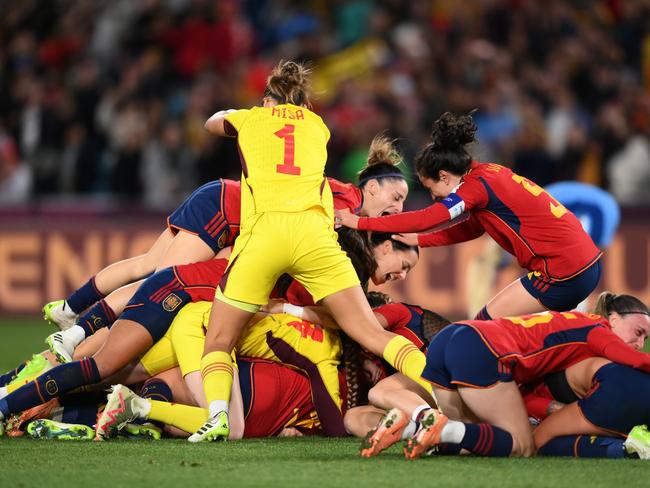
633,328
384,196
392,265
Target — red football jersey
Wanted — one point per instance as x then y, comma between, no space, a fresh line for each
404,320
280,397
524,219
532,346
346,196
200,280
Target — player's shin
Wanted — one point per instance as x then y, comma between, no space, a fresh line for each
405,357
217,373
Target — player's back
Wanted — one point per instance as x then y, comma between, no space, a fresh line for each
283,152
537,344
529,222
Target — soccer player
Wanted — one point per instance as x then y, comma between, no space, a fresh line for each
546,238
287,215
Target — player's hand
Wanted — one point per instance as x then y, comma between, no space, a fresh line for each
345,218
290,432
372,371
408,239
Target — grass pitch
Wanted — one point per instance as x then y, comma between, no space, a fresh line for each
308,462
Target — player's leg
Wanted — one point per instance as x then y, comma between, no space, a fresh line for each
535,293
102,314
64,313
260,256
513,300
126,341
359,420
458,359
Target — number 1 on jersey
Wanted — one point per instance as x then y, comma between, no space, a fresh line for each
288,167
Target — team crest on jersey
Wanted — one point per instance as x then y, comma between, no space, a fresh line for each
223,238
51,387
171,302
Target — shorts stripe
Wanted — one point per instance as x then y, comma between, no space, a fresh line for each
162,292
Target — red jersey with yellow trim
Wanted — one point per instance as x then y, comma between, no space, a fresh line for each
519,215
532,346
275,397
346,196
200,280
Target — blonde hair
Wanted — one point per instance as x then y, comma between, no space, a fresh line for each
383,161
289,82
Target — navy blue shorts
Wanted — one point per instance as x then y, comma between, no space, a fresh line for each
202,214
457,356
156,303
562,295
618,400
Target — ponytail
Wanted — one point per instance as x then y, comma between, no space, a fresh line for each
609,302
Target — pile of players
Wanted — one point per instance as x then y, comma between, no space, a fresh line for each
218,336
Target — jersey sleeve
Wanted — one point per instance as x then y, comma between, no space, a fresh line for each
468,196
537,401
235,120
465,231
396,314
608,345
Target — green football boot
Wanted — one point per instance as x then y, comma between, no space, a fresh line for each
51,429
55,313
33,369
216,428
638,442
147,430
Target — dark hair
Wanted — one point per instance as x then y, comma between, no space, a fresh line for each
382,163
377,299
289,83
359,247
377,238
446,151
351,360
609,302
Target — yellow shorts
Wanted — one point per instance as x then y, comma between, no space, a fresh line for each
301,244
183,343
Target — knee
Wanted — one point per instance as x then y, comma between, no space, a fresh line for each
375,395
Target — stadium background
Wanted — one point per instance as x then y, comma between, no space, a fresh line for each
102,105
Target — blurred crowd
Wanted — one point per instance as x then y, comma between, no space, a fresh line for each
108,97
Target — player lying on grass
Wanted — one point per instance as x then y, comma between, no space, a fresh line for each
546,239
474,367
207,222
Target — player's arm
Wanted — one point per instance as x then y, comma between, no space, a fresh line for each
316,314
605,343
469,196
539,402
465,231
226,123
